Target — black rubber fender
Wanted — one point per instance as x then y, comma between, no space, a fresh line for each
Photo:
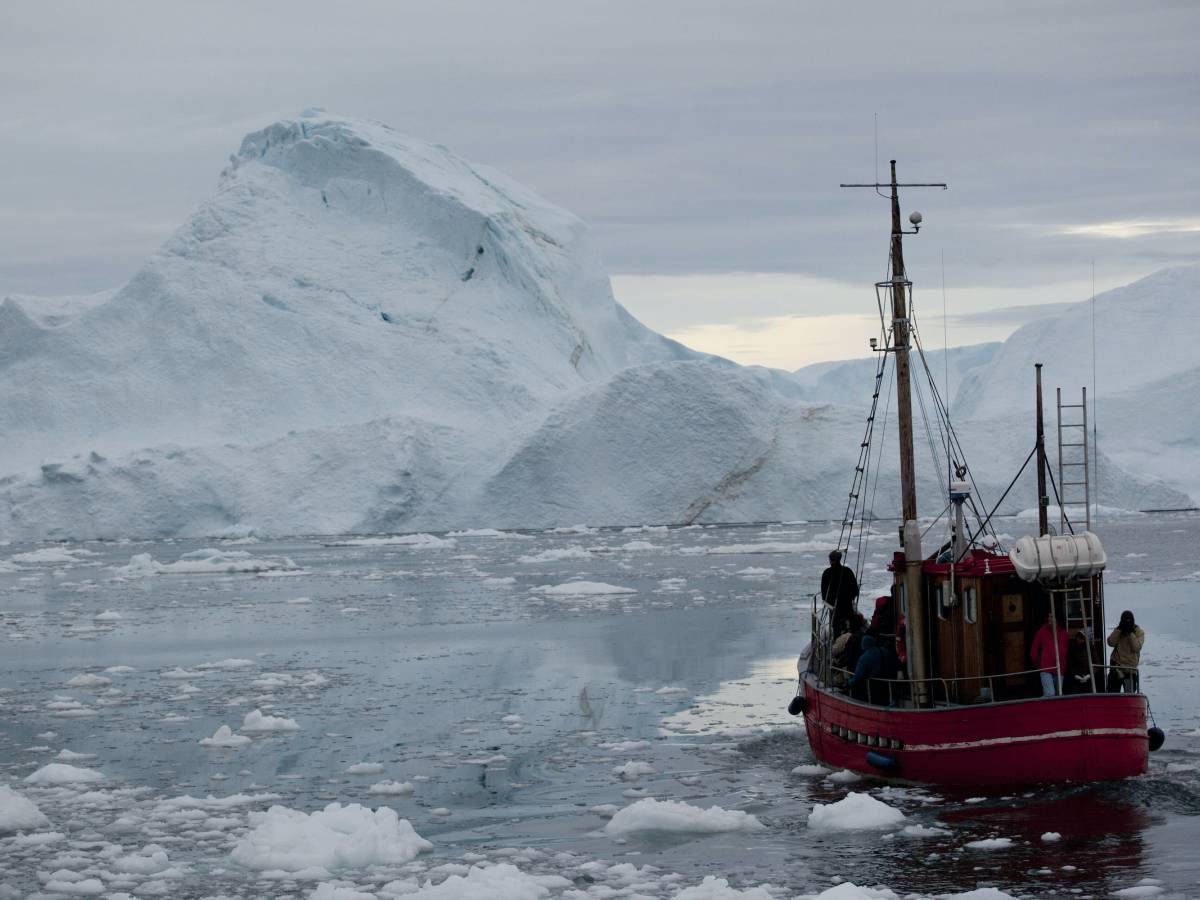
1156,738
798,705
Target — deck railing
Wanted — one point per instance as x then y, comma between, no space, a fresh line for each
942,691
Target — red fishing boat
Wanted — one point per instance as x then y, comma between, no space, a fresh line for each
963,705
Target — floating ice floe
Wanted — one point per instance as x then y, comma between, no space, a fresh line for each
714,888
61,773
554,554
756,573
224,737
391,788
51,556
150,860
208,561
233,663
582,589
625,746
638,546
255,721
72,756
854,812
811,771
1002,843
633,770
844,776
109,615
1147,887
89,680
365,768
920,831
332,838
649,814
773,547
1051,836
328,890
416,541
18,812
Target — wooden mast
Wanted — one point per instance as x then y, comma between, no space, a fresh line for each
1043,499
918,653
910,532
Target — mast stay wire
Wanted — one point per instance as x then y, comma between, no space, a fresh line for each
854,502
868,521
944,421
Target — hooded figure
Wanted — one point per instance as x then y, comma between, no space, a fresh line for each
883,620
1078,677
1126,640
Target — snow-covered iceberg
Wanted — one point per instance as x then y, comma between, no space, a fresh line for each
363,333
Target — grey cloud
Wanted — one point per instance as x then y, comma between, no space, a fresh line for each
695,137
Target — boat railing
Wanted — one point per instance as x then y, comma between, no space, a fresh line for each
945,691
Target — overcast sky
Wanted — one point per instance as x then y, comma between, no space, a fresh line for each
704,142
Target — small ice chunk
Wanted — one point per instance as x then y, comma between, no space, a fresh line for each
337,836
109,615
391,788
365,768
582,589
61,773
810,771
1051,836
670,815
89,680
256,722
1002,843
224,737
854,812
845,776
72,756
328,890
633,769
440,812
19,813
923,831
1138,891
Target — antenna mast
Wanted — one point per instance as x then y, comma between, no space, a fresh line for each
910,532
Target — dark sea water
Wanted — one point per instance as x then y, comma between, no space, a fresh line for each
507,708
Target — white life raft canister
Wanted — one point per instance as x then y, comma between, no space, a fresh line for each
1058,557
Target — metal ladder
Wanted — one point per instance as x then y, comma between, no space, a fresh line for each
1077,604
1073,469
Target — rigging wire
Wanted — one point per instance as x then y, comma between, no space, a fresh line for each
1020,472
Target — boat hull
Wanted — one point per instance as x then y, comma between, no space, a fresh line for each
1076,738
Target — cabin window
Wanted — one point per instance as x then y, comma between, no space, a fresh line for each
946,600
971,605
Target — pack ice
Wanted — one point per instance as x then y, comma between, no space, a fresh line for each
362,332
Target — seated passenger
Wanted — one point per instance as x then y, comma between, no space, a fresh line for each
847,648
1078,677
877,662
883,620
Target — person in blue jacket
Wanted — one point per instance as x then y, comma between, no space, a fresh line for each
876,661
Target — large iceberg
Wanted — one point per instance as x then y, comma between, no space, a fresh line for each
361,332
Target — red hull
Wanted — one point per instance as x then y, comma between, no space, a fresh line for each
1080,738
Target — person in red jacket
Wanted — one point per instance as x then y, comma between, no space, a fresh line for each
1049,654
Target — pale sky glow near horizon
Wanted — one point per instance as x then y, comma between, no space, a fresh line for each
703,142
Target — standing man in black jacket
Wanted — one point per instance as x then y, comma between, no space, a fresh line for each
839,590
